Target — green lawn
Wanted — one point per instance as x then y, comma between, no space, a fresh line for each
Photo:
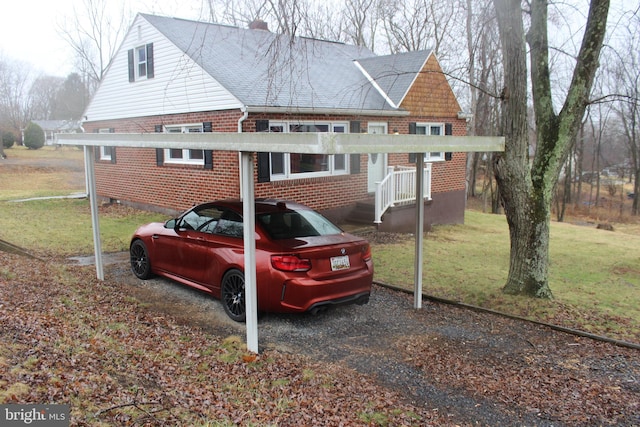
594,274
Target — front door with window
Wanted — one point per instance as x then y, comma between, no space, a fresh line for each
377,164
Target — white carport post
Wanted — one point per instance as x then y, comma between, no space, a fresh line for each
249,219
417,283
93,201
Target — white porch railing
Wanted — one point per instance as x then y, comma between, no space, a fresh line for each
399,188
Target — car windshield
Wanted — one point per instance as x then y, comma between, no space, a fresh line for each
292,224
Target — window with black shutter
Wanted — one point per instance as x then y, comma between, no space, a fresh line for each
140,62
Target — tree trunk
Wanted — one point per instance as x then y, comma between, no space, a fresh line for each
527,191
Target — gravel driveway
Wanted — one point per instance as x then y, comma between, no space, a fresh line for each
468,365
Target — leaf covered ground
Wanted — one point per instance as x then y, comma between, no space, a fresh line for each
67,338
119,358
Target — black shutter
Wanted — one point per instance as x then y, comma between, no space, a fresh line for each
159,156
112,150
159,151
262,125
264,164
150,72
264,173
354,159
208,159
96,149
132,65
448,130
412,131
208,154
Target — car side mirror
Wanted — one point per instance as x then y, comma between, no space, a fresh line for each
172,223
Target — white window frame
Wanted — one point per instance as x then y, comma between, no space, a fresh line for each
187,154
285,127
105,152
138,62
432,156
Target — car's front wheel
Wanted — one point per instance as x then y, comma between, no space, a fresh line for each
233,295
140,264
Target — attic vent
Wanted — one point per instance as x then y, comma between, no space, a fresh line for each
258,24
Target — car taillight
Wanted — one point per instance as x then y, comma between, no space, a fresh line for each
366,253
290,263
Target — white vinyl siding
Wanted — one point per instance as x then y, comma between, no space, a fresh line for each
179,84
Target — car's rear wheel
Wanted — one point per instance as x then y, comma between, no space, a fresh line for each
140,264
233,296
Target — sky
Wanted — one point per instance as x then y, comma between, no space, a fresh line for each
29,28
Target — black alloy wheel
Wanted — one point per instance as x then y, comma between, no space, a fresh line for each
233,296
140,264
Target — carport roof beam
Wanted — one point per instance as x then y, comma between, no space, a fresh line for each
306,143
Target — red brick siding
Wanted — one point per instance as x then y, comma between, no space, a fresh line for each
136,178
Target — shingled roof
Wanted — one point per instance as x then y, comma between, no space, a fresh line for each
394,74
264,69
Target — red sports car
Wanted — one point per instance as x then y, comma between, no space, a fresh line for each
303,261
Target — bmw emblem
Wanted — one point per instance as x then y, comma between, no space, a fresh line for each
343,251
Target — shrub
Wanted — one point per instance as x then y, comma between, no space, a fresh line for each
33,136
8,139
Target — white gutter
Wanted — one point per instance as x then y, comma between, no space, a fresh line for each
326,111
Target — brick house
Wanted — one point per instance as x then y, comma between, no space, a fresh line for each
175,75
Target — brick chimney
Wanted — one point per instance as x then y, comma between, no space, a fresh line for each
258,24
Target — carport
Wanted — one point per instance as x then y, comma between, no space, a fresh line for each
247,144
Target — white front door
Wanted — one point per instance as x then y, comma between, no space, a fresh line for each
377,163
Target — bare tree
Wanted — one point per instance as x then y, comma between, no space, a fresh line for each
42,96
15,81
94,34
360,22
484,75
421,24
527,189
626,73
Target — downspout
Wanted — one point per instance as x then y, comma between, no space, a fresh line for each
245,114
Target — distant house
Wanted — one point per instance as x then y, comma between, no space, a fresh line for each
176,75
54,127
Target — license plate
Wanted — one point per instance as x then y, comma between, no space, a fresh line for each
340,263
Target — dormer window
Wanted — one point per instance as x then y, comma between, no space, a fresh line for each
141,62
